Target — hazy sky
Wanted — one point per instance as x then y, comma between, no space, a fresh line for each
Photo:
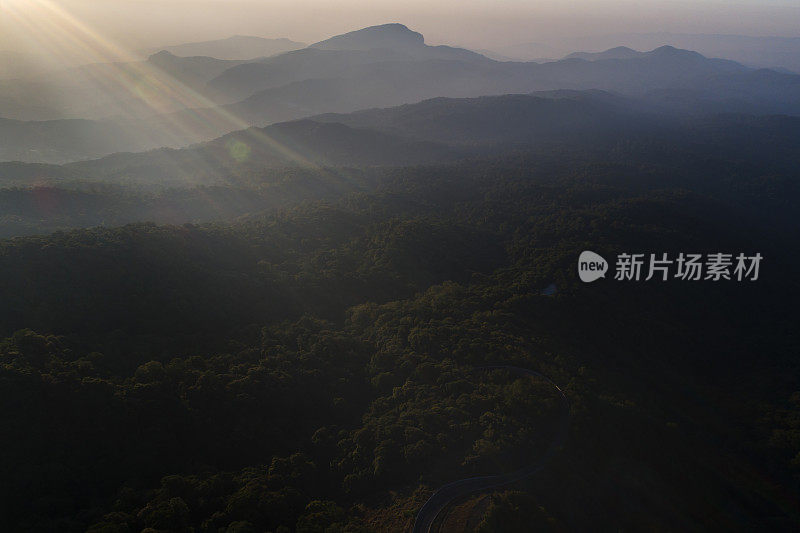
474,23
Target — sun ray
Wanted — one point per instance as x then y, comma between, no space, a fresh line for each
180,109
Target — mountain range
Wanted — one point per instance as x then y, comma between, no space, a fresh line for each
236,47
439,130
779,53
173,101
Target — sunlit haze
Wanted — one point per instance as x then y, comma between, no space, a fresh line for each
474,23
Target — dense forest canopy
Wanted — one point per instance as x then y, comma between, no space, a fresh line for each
310,368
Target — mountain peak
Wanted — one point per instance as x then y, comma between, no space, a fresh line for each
393,35
621,50
671,51
162,56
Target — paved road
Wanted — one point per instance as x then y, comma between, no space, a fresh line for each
427,515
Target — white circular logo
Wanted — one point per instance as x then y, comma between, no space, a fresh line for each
591,267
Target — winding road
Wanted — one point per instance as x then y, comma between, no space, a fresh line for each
445,495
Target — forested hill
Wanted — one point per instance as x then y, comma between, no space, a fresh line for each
259,170
311,368
434,131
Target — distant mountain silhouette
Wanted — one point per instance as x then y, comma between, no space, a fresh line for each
245,80
237,47
335,58
379,84
395,37
620,52
383,36
292,144
172,101
349,80
390,64
515,118
193,70
753,51
436,130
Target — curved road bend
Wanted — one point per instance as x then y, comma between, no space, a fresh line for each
447,493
